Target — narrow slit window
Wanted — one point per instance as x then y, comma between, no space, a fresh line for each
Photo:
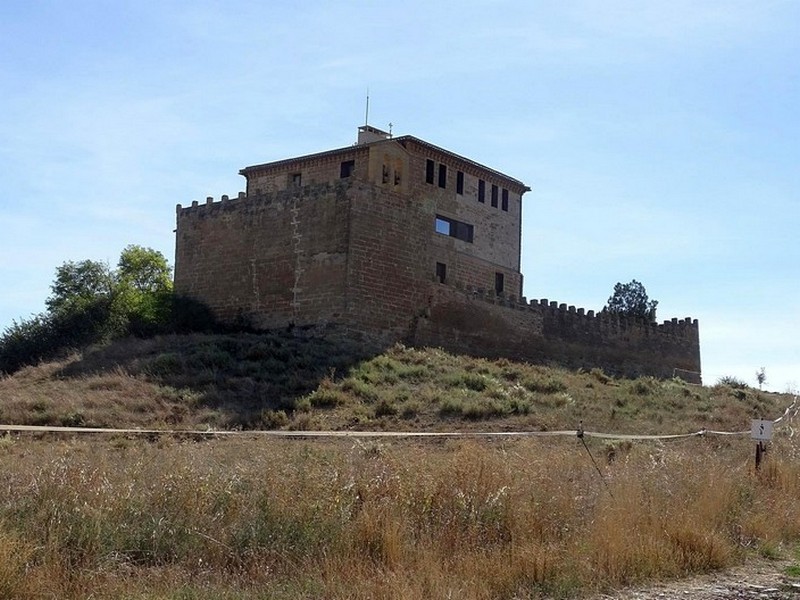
494,196
481,190
504,200
442,176
498,283
441,272
460,182
429,168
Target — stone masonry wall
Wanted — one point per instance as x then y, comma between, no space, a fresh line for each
356,255
496,232
388,276
319,169
270,260
543,332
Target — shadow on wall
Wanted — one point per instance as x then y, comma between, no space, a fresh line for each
242,377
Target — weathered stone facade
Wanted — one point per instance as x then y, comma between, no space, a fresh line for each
397,239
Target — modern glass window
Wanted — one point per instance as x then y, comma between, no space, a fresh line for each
453,228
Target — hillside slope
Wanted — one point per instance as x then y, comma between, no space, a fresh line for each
286,381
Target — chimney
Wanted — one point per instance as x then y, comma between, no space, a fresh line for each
368,134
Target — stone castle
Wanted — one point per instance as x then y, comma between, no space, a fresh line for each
395,239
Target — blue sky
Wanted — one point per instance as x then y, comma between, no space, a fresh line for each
660,139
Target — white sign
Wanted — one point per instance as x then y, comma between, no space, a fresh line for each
761,429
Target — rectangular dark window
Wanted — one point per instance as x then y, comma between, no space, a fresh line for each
481,190
296,179
504,199
347,169
441,272
385,177
453,228
442,176
459,182
428,171
494,196
498,283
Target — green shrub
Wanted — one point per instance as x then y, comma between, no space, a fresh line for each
463,379
732,382
362,389
385,408
327,397
274,419
644,386
544,385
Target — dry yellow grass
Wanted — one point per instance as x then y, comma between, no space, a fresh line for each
243,518
322,519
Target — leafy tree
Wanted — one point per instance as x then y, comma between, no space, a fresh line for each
761,377
630,300
143,290
91,303
78,283
144,269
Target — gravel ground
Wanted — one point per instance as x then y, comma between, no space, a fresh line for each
758,580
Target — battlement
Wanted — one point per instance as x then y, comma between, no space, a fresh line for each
476,321
600,322
306,191
210,201
353,237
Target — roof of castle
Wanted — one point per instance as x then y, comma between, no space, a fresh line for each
402,140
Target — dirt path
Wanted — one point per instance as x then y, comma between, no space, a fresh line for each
757,580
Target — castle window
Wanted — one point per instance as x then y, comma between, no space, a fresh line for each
498,283
481,190
505,199
494,196
296,179
442,176
385,178
441,272
453,228
459,182
429,167
347,169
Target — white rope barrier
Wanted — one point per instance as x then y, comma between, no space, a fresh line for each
790,412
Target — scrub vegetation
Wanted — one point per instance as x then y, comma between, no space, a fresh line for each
176,516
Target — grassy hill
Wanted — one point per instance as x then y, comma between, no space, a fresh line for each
240,517
285,381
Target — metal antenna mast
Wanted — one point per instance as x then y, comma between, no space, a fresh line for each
366,116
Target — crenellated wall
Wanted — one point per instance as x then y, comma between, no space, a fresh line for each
267,260
352,254
477,322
